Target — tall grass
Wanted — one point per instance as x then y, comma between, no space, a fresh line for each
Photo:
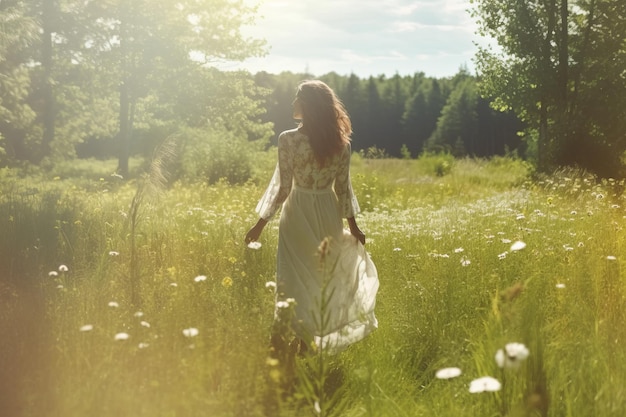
452,293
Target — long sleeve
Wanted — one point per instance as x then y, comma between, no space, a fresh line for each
348,203
280,185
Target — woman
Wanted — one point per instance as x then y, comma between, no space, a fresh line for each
324,274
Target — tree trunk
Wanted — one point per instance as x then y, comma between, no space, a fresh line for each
542,141
124,134
49,106
563,56
544,148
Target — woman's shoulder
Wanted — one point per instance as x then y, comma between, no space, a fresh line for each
291,135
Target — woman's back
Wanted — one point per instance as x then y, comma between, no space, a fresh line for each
307,172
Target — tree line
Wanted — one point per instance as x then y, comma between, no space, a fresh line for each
403,116
111,78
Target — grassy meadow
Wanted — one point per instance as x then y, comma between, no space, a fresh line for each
117,299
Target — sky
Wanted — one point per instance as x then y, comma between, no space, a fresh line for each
364,37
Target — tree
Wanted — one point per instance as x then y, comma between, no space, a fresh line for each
394,96
139,52
375,130
18,32
456,127
598,91
552,55
421,114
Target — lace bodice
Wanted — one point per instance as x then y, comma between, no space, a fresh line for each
297,165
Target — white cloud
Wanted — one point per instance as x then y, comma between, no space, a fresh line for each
369,37
403,27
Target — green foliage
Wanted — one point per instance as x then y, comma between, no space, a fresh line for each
556,64
118,71
439,164
374,152
457,124
218,155
404,152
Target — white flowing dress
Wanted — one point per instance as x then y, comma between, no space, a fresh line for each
334,289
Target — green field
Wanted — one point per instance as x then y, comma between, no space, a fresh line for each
113,335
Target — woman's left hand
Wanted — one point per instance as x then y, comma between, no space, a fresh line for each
356,232
254,233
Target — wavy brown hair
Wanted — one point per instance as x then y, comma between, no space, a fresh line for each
324,119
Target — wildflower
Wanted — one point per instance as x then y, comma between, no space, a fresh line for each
484,384
282,304
86,328
503,255
568,248
173,284
227,282
145,324
190,332
465,262
271,362
200,278
270,285
447,373
63,268
516,246
560,286
505,241
113,304
290,300
138,314
512,355
611,258
323,249
397,249
53,274
458,250
143,345
113,253
520,217
232,259
254,245
275,375
122,336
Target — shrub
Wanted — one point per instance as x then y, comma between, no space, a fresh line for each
439,163
217,154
